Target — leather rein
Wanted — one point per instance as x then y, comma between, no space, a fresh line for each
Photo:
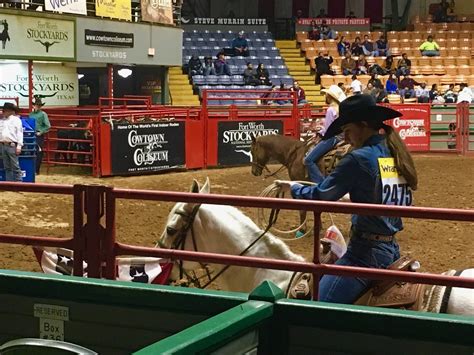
180,242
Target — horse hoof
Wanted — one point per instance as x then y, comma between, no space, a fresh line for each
299,234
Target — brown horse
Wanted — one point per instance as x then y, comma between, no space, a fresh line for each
290,152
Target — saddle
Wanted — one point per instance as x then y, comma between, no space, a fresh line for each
390,294
329,161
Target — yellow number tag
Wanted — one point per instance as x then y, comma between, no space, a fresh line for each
395,190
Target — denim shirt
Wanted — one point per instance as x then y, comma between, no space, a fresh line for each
357,174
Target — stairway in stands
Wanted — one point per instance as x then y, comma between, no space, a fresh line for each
181,91
300,71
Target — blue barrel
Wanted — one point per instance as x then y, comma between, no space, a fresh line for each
27,158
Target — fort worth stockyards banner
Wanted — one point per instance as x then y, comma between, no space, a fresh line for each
235,139
119,9
158,11
147,147
34,37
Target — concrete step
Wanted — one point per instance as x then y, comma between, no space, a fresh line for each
285,44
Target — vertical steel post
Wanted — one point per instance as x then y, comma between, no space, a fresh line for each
30,85
316,251
78,230
110,88
109,241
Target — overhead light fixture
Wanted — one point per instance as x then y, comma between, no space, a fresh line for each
80,76
125,73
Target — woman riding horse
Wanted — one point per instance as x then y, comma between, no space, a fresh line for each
334,96
379,170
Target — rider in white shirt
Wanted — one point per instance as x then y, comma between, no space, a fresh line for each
11,141
356,85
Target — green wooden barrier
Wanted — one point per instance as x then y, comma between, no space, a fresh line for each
109,317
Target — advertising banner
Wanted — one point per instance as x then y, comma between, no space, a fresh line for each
119,9
147,147
33,37
56,84
159,11
414,126
187,20
68,7
335,21
235,139
108,39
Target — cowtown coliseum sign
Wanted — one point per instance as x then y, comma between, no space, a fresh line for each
414,126
34,37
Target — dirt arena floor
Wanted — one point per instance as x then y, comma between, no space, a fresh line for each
445,181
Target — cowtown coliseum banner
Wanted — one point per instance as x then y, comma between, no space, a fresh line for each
158,11
335,21
235,139
34,37
147,147
65,6
56,84
119,9
414,126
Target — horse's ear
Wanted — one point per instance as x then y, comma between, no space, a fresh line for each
206,188
195,187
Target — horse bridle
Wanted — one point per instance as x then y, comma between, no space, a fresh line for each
180,242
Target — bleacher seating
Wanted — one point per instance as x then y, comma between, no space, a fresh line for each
262,50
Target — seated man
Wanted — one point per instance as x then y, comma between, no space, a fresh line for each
403,66
449,96
323,67
429,48
381,47
407,87
221,66
208,67
300,94
422,94
240,45
348,65
465,94
250,75
368,46
194,66
326,31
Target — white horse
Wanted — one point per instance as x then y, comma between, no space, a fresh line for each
226,230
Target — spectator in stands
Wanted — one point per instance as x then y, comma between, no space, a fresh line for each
368,46
465,94
356,85
342,87
208,67
250,75
240,45
389,65
300,94
262,75
381,47
449,96
222,68
269,94
434,93
407,87
314,33
375,81
282,95
429,48
369,90
343,46
441,15
422,94
403,66
351,15
356,47
348,65
326,32
362,65
391,85
322,14
194,66
380,95
323,66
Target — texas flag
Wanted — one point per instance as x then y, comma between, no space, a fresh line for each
59,261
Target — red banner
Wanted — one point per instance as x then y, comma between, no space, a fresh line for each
414,126
336,21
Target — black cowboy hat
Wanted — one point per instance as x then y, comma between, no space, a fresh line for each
38,102
359,108
8,106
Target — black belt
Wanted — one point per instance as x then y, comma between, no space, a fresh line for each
373,237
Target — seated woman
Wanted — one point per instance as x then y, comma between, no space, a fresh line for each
362,65
314,33
334,96
263,75
343,46
391,85
378,168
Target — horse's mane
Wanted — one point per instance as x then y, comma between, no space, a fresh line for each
280,147
276,247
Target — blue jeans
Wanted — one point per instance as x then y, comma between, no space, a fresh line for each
407,93
361,253
315,175
10,162
429,53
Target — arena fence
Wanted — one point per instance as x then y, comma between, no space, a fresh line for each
94,237
166,138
